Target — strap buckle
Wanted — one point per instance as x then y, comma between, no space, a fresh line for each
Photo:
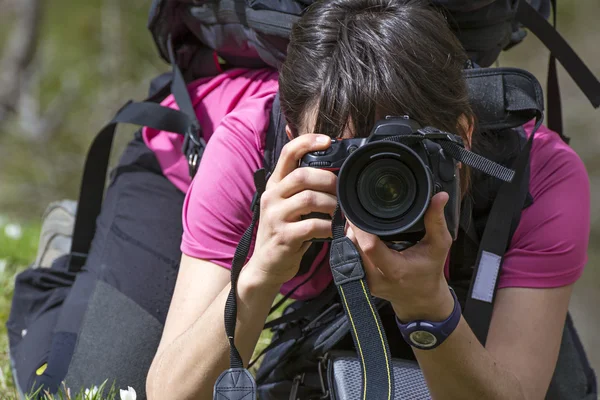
437,134
193,148
76,261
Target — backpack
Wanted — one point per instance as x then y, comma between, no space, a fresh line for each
202,38
254,33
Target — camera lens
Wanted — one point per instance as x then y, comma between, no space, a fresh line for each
384,188
387,188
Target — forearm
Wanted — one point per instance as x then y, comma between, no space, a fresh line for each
188,367
461,368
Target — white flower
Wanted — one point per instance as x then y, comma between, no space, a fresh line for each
13,231
3,264
128,394
90,393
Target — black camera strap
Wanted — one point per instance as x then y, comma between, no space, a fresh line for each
365,324
452,145
349,278
512,97
237,382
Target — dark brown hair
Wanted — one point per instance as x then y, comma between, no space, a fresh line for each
354,61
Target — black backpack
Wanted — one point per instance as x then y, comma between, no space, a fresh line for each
203,37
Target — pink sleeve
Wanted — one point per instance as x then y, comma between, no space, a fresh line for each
216,211
549,248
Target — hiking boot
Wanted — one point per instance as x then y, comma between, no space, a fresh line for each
56,233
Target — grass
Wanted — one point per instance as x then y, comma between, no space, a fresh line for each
99,393
16,253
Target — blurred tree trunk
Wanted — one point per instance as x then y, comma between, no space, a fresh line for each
18,54
22,70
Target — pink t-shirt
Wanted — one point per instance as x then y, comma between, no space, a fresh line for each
548,249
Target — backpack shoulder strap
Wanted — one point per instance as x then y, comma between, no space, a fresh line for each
504,98
494,244
512,96
559,49
147,113
475,209
96,166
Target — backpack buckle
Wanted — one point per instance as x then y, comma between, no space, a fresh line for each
298,380
322,372
193,148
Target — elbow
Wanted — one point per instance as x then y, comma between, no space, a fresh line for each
156,381
151,383
165,382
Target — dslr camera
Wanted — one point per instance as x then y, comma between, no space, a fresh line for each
386,180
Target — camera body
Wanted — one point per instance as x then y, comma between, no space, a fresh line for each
386,180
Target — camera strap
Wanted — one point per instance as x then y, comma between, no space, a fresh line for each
237,382
365,324
349,276
453,146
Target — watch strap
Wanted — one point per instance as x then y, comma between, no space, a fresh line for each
427,335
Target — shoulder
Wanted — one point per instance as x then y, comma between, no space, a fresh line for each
549,247
217,207
555,166
248,119
238,99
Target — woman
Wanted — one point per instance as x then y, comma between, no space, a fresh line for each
350,62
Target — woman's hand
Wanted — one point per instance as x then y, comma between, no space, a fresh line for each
283,236
412,280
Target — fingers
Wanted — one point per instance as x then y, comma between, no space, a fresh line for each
307,178
306,202
437,236
307,229
294,151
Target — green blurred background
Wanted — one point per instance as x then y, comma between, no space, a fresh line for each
86,58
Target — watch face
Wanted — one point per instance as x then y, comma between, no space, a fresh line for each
423,338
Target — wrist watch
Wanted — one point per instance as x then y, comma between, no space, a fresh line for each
427,335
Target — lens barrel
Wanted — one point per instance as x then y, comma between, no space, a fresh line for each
384,188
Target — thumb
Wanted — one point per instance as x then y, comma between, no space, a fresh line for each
436,229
